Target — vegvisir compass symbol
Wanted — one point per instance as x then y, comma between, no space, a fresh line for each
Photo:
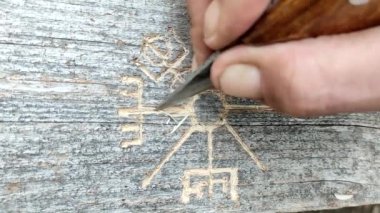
196,181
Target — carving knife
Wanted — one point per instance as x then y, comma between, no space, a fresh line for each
287,20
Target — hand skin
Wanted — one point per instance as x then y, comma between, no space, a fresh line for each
311,77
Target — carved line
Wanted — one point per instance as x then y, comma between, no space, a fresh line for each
230,107
179,124
210,159
245,147
126,112
139,93
146,182
132,128
254,108
177,111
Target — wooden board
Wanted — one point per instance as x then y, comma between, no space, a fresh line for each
78,83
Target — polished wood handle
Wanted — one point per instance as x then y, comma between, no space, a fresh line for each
296,19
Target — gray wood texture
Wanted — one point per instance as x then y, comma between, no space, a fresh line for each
78,80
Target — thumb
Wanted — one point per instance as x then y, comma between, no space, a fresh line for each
311,77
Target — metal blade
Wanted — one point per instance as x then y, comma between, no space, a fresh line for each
196,83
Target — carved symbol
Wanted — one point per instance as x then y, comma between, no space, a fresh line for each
133,128
197,126
210,176
228,181
138,112
162,55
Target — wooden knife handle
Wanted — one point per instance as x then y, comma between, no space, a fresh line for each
296,19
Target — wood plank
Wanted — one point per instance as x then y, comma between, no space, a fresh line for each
78,83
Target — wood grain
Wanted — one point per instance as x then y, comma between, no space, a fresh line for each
69,86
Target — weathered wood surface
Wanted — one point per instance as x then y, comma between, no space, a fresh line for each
70,80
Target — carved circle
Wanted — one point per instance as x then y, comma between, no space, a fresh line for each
208,108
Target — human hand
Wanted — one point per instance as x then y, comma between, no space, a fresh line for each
326,75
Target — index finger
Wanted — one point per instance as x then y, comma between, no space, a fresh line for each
197,9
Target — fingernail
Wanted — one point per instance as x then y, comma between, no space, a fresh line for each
194,63
241,80
211,19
